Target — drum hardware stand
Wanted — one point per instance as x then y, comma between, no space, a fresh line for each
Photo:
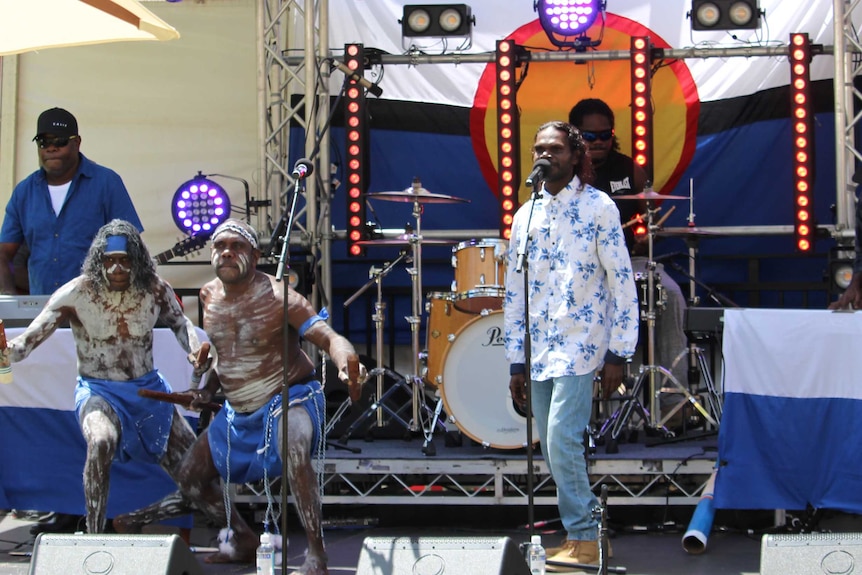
417,196
649,373
417,385
713,397
379,317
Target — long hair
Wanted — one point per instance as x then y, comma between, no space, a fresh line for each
143,267
589,107
584,169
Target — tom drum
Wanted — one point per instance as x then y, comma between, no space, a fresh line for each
475,386
480,272
444,321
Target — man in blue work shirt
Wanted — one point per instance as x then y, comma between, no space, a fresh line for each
58,209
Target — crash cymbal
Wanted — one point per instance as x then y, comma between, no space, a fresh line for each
687,233
405,240
420,195
649,195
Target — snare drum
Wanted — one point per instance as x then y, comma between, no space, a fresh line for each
475,386
480,272
444,321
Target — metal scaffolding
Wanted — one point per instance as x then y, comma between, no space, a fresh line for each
294,90
304,70
848,64
296,94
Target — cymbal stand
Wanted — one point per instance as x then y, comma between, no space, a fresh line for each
652,369
649,373
414,320
697,363
378,405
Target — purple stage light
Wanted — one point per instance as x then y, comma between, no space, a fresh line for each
567,18
199,206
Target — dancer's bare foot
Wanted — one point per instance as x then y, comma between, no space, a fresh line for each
122,524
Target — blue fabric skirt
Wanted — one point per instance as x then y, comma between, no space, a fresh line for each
245,445
145,424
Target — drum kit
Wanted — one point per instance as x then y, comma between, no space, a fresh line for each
462,365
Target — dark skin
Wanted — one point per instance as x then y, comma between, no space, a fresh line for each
60,165
244,313
852,296
551,144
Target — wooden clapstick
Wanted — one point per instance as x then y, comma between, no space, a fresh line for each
5,367
176,398
201,357
354,388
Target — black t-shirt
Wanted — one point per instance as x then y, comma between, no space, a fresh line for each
615,177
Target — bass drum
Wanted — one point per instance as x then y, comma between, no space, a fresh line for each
475,386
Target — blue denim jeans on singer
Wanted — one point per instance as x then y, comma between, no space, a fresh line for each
562,406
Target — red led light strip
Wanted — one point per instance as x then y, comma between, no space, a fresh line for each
356,131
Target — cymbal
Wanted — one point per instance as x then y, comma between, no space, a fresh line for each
649,195
420,195
688,233
405,240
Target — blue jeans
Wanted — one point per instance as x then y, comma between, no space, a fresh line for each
561,408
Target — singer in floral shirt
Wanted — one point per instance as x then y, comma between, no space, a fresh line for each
583,317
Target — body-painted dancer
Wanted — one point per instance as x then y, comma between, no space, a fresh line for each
112,308
243,312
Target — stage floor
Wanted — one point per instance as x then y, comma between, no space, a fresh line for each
462,472
638,545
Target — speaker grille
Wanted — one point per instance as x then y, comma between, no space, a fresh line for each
810,553
55,553
441,556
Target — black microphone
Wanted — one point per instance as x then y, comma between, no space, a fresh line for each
539,168
361,80
303,168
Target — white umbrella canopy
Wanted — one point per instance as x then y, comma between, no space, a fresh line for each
29,25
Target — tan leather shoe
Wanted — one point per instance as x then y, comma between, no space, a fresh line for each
567,543
574,553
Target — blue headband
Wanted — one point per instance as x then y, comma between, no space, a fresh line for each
116,245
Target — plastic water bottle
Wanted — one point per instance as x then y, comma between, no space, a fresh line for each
536,557
265,558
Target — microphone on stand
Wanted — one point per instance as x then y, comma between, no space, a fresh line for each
539,169
302,168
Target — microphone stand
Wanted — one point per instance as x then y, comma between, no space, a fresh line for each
284,261
523,267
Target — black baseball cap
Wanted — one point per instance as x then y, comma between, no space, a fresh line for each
56,121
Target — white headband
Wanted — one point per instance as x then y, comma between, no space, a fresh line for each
236,228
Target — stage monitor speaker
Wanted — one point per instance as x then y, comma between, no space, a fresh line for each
811,554
441,556
55,553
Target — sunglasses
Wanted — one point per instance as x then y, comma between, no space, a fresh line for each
604,135
59,142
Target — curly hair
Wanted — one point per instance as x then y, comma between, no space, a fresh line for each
584,169
590,107
143,267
